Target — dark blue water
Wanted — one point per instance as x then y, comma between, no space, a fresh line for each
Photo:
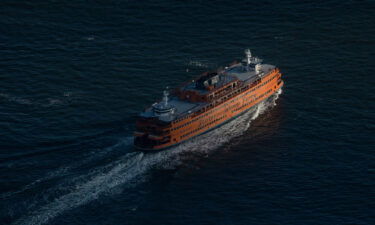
74,75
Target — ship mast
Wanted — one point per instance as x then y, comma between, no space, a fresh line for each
250,59
165,98
163,108
248,56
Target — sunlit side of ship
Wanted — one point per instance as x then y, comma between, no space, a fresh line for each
206,103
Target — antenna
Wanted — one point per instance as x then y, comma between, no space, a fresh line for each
251,59
248,56
165,97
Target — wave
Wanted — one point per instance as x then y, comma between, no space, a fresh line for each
49,102
132,168
18,100
63,171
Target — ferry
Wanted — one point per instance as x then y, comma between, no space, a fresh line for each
205,103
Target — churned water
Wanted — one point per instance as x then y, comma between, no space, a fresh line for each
74,75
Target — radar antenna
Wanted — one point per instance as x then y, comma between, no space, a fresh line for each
165,97
251,59
248,56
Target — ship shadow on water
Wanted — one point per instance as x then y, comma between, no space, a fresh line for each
135,167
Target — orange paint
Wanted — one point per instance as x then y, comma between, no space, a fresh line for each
221,105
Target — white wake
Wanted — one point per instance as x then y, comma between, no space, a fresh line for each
130,169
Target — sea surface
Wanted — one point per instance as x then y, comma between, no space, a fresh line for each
75,74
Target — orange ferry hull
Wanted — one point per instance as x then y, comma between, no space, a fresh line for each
165,147
215,105
204,132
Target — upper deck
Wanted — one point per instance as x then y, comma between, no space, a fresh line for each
194,96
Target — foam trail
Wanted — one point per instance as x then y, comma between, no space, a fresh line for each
65,170
125,171
18,100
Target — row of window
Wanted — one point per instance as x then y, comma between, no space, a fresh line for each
204,126
264,83
185,117
232,106
252,100
229,95
198,118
